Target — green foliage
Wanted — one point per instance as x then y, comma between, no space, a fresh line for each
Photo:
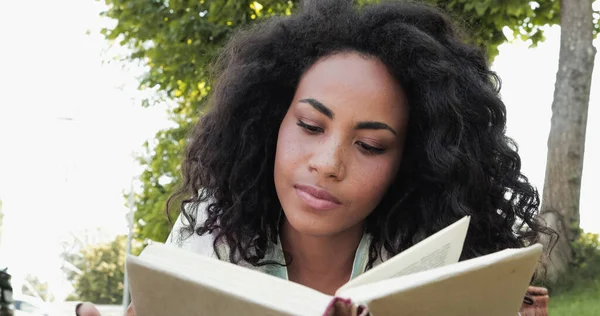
581,300
162,163
102,267
584,268
578,290
40,288
485,19
178,40
586,257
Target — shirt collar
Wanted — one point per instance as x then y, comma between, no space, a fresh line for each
359,266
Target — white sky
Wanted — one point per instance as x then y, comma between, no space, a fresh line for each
58,176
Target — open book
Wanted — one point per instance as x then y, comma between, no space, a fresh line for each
426,279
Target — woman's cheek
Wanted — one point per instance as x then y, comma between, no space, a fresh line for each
374,179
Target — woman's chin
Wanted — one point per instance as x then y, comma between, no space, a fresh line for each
309,226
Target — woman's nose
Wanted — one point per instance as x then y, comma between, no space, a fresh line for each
328,160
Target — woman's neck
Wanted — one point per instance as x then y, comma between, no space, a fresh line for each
323,263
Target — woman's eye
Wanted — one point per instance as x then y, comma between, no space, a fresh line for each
370,150
310,128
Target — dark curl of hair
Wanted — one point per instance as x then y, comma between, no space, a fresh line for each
458,160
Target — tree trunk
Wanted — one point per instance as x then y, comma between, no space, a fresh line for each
566,142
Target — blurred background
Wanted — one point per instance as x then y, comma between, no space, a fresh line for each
96,97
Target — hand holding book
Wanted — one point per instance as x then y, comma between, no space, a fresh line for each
166,280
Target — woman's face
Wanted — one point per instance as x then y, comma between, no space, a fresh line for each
340,144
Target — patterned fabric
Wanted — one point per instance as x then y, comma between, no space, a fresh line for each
359,265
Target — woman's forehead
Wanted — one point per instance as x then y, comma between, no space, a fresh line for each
350,80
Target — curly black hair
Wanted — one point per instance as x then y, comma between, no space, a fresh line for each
457,161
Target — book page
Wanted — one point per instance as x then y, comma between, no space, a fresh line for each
169,281
439,249
492,285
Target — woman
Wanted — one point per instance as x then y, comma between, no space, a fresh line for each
337,138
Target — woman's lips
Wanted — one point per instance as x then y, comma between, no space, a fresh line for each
316,197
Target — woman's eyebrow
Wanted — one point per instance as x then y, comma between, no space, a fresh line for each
362,125
319,107
375,125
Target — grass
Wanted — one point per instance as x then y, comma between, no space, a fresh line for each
582,300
